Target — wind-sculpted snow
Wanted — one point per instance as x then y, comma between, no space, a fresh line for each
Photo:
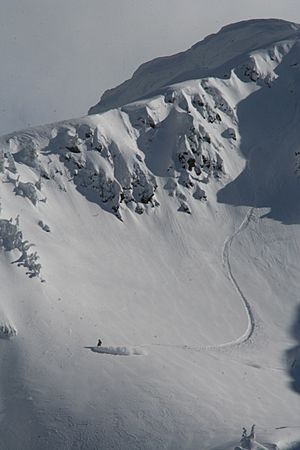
119,351
123,158
178,140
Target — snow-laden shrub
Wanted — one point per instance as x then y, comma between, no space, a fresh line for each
2,161
184,207
248,72
44,226
27,190
11,238
248,441
7,330
199,194
144,186
11,163
229,133
28,154
207,112
219,101
30,261
139,209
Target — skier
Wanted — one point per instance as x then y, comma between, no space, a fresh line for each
99,343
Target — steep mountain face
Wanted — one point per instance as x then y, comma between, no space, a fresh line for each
233,48
165,222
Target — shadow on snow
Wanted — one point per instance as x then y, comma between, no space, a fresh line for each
293,356
268,125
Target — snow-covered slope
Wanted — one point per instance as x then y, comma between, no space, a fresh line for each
167,225
216,56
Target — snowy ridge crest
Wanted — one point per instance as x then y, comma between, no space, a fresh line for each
216,56
125,157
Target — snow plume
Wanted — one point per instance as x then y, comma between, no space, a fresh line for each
119,351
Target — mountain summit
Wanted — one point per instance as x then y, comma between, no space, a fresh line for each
165,224
215,56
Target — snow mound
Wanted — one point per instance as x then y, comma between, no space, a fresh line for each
119,351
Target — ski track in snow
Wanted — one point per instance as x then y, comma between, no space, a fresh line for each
226,262
245,337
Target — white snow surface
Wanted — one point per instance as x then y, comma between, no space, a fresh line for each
216,55
168,226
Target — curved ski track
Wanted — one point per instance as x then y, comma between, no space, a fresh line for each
248,309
